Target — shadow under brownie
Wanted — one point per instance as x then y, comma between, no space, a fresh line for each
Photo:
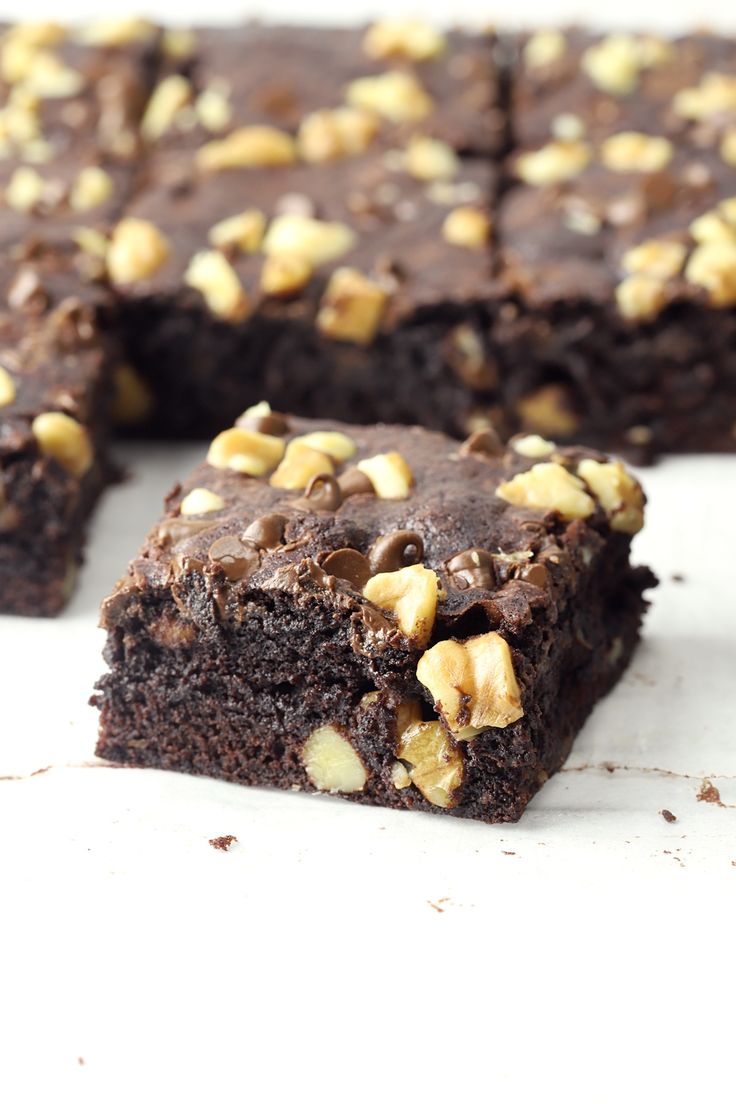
378,612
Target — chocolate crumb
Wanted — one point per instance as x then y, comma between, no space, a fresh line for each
668,816
677,577
708,792
223,843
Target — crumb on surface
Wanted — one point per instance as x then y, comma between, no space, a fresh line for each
677,577
708,792
668,816
223,843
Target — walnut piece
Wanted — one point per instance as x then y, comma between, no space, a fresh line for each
613,64
332,763
132,399
712,266
283,275
618,493
92,188
352,307
167,99
632,151
467,227
715,95
337,445
533,446
245,451
389,473
246,148
300,464
544,48
396,95
330,135
548,486
244,231
553,163
398,38
436,764
547,410
210,273
136,251
7,387
411,594
473,683
25,189
200,500
316,241
655,257
65,440
430,159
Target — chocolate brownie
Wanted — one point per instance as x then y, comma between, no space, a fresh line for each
378,612
616,239
360,288
54,402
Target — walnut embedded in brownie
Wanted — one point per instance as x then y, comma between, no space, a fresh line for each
617,243
54,399
331,89
360,288
378,612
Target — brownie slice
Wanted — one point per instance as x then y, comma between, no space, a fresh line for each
54,419
377,612
361,289
616,241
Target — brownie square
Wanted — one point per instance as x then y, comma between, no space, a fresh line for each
377,612
616,242
54,417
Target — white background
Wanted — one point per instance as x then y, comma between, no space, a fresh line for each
336,952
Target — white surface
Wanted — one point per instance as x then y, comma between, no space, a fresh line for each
315,952
339,953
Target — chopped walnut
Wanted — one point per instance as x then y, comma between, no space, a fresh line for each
396,95
430,159
200,500
65,440
544,48
547,410
352,307
548,486
389,473
330,135
136,251
7,387
613,64
210,273
713,266
632,151
337,445
247,147
92,188
301,463
473,683
132,398
168,98
436,764
332,763
245,451
553,163
411,594
244,231
283,275
618,493
467,227
25,189
715,95
316,241
641,297
655,257
411,39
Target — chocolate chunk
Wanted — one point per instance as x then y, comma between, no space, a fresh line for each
266,532
396,550
172,531
472,568
322,493
353,481
536,574
273,424
350,565
236,559
484,442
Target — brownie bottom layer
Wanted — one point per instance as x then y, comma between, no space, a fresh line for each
237,698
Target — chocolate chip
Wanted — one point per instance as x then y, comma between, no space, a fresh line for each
274,424
472,568
396,550
353,481
236,559
322,493
173,530
484,442
266,532
536,574
350,565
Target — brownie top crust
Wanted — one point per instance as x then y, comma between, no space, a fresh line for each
411,76
625,188
411,531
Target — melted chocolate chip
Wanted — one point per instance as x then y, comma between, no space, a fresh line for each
266,532
273,424
350,565
352,482
236,559
536,574
396,550
484,442
173,530
322,493
472,568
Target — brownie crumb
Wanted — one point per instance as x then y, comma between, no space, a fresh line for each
677,577
223,843
708,792
668,816
80,1060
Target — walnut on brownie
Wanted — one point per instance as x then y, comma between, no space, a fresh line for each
617,241
377,612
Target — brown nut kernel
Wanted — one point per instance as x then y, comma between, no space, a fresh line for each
283,276
553,163
263,419
618,493
92,188
403,38
712,227
389,474
472,568
713,266
167,99
318,242
212,108
244,231
61,437
613,64
247,147
337,445
532,446
548,487
116,31
210,273
7,387
544,48
436,764
396,550
266,532
332,763
548,410
715,95
330,135
236,559
396,95
430,159
727,147
660,258
200,500
352,307
467,227
348,564
245,451
322,493
299,465
136,251
411,594
472,683
632,151
641,297
25,189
